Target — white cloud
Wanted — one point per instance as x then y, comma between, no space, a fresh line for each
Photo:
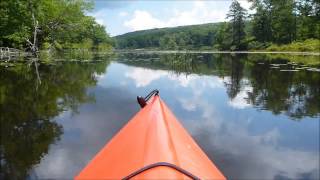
99,76
100,17
200,13
143,20
100,21
245,4
80,142
123,14
219,136
56,167
144,77
183,80
234,145
240,102
188,104
281,160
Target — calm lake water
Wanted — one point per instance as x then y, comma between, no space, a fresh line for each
254,118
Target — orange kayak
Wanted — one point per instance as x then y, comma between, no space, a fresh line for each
152,145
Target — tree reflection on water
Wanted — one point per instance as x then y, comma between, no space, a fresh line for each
27,109
294,93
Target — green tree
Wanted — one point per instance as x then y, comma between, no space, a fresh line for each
261,22
59,22
283,21
185,37
15,27
308,15
223,39
168,42
237,16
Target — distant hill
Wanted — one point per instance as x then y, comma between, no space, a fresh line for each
181,37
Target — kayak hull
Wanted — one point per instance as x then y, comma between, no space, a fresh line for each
152,136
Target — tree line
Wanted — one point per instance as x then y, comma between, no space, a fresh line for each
50,24
183,37
273,24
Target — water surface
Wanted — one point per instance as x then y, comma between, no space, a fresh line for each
254,118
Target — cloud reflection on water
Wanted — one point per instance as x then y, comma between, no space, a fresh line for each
220,126
87,132
239,153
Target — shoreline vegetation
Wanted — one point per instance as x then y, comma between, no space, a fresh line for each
309,46
159,51
275,27
286,25
51,25
307,58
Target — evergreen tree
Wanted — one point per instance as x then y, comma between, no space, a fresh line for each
285,21
237,16
308,24
283,24
261,22
222,39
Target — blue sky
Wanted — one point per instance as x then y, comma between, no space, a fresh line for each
120,17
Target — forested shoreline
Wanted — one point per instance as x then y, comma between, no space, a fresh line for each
48,24
286,25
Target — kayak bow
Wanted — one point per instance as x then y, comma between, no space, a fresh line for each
152,145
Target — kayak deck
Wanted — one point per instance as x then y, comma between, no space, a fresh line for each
152,136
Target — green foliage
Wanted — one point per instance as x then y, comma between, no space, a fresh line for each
168,42
312,45
84,44
307,23
256,45
14,27
274,22
282,23
104,47
261,22
237,16
57,45
223,39
285,21
218,36
306,60
45,46
284,58
61,23
183,37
